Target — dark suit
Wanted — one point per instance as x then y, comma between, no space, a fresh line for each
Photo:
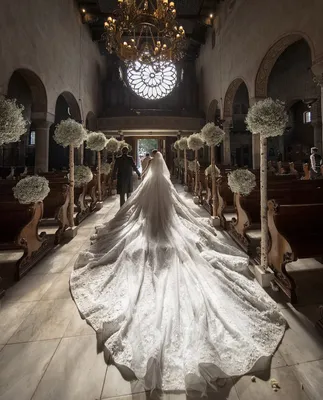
122,171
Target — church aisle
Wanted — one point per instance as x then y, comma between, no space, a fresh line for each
47,352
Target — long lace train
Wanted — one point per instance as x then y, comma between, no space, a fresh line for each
176,304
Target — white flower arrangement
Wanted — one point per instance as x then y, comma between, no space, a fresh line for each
208,171
70,133
123,143
31,189
182,143
105,168
212,134
176,145
195,141
112,145
82,175
12,123
96,141
242,181
191,165
267,117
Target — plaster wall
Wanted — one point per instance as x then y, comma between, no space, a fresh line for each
48,38
245,33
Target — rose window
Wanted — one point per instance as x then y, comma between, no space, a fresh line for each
152,81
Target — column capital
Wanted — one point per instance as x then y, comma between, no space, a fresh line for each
41,124
42,116
317,70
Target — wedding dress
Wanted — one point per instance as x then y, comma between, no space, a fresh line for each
175,304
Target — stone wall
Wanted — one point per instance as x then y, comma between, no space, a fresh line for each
245,32
250,36
49,39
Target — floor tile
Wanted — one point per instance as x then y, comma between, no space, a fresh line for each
48,320
290,386
22,366
12,314
115,385
53,263
278,360
70,265
301,342
310,375
77,326
30,288
60,289
225,391
76,372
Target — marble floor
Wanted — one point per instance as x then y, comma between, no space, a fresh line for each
47,352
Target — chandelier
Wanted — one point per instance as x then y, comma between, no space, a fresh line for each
145,31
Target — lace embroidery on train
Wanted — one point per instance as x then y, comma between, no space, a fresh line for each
169,299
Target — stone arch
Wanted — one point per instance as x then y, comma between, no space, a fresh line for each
37,89
272,55
73,105
229,97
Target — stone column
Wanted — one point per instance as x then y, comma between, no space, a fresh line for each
317,70
227,142
41,144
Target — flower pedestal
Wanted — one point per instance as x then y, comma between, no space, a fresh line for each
263,203
215,218
185,171
215,221
70,232
267,118
99,203
264,278
196,200
71,182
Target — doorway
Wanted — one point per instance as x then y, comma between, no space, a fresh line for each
145,146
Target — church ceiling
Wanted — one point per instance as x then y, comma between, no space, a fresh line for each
193,15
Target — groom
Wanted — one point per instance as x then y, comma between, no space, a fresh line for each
122,171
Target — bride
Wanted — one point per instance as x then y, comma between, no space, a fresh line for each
171,301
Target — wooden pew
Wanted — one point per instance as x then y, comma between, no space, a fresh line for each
296,232
56,206
82,203
92,192
20,225
307,174
245,229
225,200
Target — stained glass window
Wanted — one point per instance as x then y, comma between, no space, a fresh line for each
152,81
